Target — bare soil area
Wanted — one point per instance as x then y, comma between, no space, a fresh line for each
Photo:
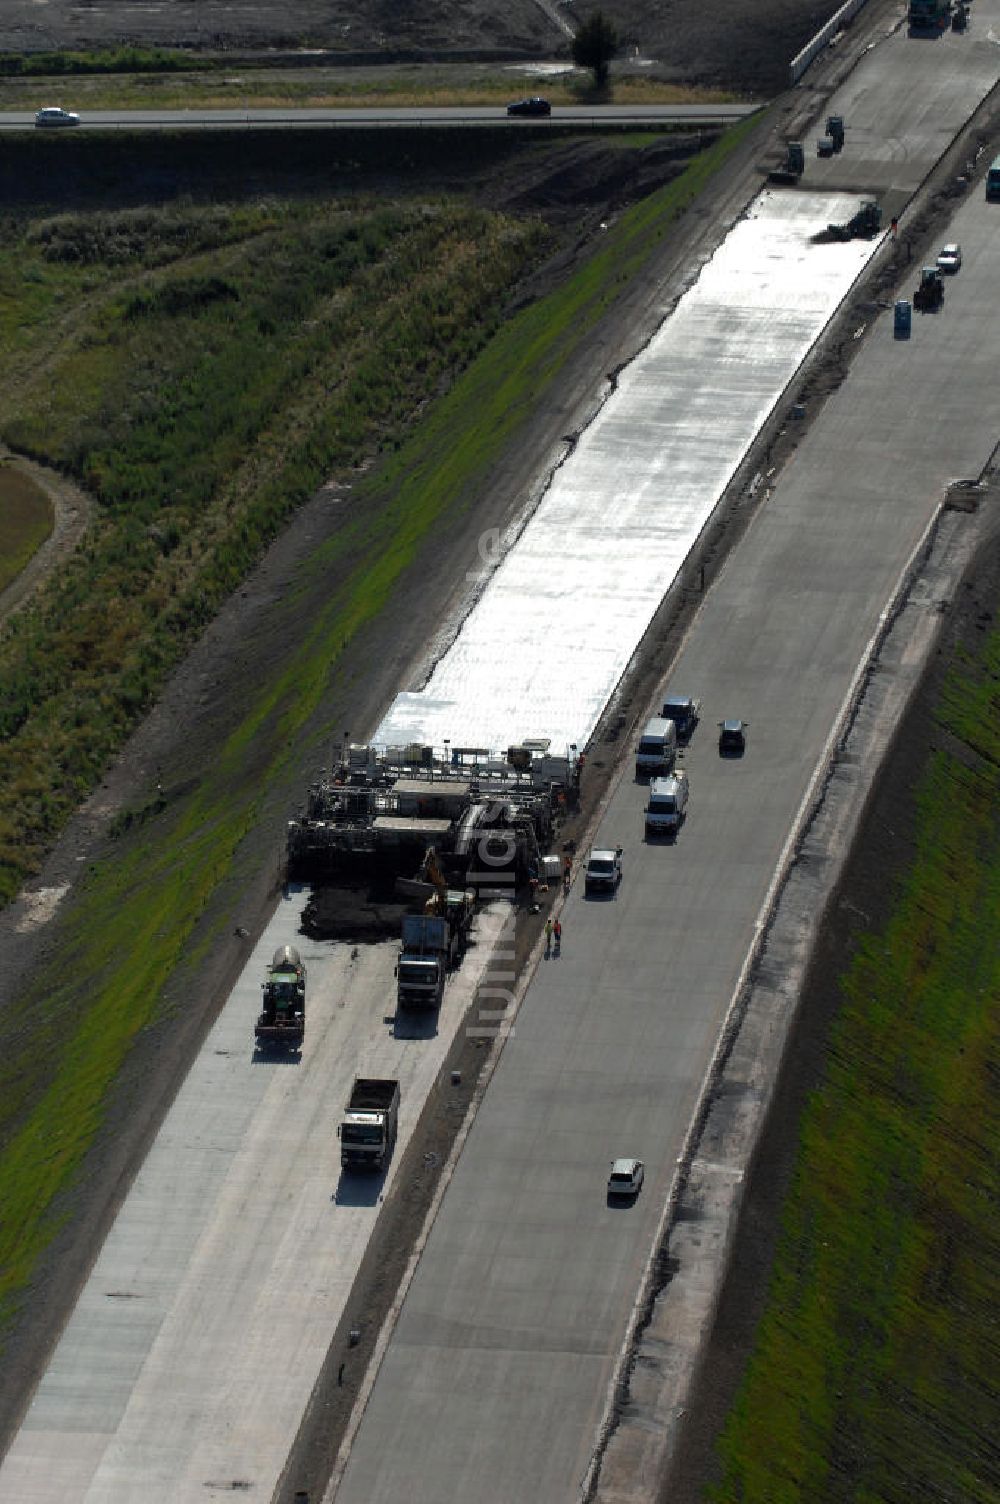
712,42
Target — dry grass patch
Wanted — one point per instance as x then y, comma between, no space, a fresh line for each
27,518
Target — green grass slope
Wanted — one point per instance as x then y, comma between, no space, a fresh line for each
876,1372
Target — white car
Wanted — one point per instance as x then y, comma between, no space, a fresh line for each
667,805
603,872
950,259
626,1177
55,115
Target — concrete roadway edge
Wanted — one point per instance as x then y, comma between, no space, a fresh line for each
840,67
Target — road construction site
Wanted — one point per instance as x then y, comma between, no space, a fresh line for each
193,1351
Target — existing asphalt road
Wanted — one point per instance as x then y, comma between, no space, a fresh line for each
497,1375
293,118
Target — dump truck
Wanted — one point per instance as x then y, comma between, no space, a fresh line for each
282,1019
368,1132
929,15
930,290
793,166
431,944
866,223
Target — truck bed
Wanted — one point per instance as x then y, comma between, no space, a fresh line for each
373,1095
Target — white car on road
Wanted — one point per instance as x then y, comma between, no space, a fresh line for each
626,1177
603,871
950,259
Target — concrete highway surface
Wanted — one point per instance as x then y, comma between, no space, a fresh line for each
291,117
188,1362
185,1369
496,1378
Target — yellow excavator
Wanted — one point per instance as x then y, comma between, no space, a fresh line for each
431,873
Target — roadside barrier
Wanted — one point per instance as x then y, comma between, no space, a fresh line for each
812,49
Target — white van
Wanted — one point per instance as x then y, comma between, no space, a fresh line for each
667,805
656,751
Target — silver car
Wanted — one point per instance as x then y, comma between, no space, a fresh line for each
626,1178
55,116
950,259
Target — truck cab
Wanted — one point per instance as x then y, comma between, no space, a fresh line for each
667,805
420,981
431,944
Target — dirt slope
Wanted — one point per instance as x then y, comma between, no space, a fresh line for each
698,41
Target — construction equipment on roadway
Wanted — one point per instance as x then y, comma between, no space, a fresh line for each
368,1132
489,816
863,225
929,15
793,167
431,944
930,293
282,1019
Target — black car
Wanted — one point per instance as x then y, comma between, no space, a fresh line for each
533,106
684,712
732,738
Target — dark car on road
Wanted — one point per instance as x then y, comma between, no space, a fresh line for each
684,712
732,738
533,106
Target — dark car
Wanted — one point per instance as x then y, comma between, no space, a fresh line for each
684,712
732,738
533,106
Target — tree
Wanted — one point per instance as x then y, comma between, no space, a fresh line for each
594,45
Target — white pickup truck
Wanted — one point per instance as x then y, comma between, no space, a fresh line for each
667,804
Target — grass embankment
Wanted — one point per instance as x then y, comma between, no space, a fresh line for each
164,565
875,1371
26,520
201,372
185,81
112,60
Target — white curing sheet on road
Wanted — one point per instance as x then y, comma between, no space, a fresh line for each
555,627
185,1369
